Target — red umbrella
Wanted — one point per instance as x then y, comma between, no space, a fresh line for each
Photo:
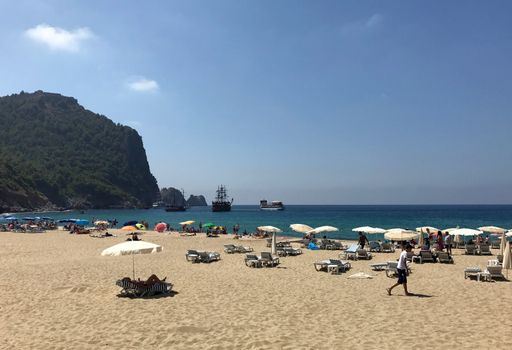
161,227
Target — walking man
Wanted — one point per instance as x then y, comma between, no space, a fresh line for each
402,270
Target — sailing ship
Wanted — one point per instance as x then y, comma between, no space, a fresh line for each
176,207
221,202
274,205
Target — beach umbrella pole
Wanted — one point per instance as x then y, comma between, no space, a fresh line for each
133,266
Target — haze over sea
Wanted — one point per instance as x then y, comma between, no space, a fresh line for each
344,217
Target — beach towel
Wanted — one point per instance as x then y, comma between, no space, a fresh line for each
312,246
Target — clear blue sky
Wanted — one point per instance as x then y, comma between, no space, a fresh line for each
335,102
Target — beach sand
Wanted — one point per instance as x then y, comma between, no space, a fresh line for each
58,292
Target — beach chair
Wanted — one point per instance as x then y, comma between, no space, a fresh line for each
444,258
387,247
378,266
292,251
363,254
495,272
484,249
333,266
495,244
470,249
350,252
375,246
392,269
140,289
426,256
230,248
193,256
252,261
268,260
243,249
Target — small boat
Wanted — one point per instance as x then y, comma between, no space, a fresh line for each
274,205
175,208
221,202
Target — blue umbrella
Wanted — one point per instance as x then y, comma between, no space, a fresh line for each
82,222
68,220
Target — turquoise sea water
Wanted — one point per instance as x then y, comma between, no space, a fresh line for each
345,217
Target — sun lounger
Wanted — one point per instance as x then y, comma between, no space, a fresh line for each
196,256
363,254
387,248
392,268
291,251
472,271
375,246
333,266
252,261
378,266
495,272
230,248
495,244
470,249
243,249
140,289
444,258
426,256
268,260
350,252
484,249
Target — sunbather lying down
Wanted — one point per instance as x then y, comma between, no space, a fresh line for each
153,279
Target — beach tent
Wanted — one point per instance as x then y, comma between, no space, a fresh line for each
161,227
132,248
273,230
399,234
301,228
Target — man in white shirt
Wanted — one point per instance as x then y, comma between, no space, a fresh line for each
402,270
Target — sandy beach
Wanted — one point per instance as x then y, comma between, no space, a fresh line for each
58,292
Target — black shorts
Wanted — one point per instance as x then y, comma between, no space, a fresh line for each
402,276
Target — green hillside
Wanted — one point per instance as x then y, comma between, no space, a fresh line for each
55,153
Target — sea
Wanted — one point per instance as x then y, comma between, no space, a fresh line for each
344,217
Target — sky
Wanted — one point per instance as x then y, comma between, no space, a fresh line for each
308,102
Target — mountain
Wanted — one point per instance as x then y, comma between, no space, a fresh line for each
172,196
196,201
56,154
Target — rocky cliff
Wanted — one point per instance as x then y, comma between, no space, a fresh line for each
55,153
196,201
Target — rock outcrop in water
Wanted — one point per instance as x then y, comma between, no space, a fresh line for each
196,201
172,196
56,154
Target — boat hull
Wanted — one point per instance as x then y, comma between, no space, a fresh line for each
222,206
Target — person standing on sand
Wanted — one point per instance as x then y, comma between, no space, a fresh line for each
402,270
362,240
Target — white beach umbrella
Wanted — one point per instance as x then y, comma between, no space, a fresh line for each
508,234
399,234
465,232
492,229
301,228
322,229
132,248
503,243
273,230
507,258
368,229
427,229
